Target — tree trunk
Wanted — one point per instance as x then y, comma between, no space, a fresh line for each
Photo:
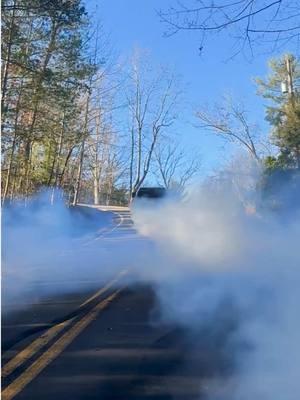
38,84
96,167
139,161
62,175
96,190
7,61
148,161
7,182
85,129
15,129
131,166
28,170
79,171
55,165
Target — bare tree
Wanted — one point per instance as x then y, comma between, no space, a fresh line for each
250,22
98,137
152,98
104,162
230,121
102,137
175,168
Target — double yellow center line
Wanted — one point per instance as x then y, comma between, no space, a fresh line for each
48,356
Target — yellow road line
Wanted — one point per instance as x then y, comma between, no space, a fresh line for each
105,288
45,338
33,348
55,350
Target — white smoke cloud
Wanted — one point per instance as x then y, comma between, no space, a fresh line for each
50,249
215,268
200,230
228,268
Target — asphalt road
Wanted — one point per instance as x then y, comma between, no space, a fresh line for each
107,344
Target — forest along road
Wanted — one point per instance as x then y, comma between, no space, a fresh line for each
105,344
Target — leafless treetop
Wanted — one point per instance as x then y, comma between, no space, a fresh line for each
252,23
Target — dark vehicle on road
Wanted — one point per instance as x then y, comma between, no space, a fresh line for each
150,193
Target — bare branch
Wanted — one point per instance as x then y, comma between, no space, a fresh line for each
248,20
230,122
175,168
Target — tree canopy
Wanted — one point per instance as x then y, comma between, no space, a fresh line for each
281,88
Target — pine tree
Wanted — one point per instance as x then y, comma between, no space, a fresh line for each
282,89
45,65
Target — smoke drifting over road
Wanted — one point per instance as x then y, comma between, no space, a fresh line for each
237,277
219,272
51,249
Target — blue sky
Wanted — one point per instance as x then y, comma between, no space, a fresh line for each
135,24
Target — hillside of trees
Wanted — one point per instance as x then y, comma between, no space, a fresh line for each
76,121
61,92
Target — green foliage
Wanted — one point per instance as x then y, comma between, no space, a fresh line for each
286,133
272,163
284,111
271,88
44,72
